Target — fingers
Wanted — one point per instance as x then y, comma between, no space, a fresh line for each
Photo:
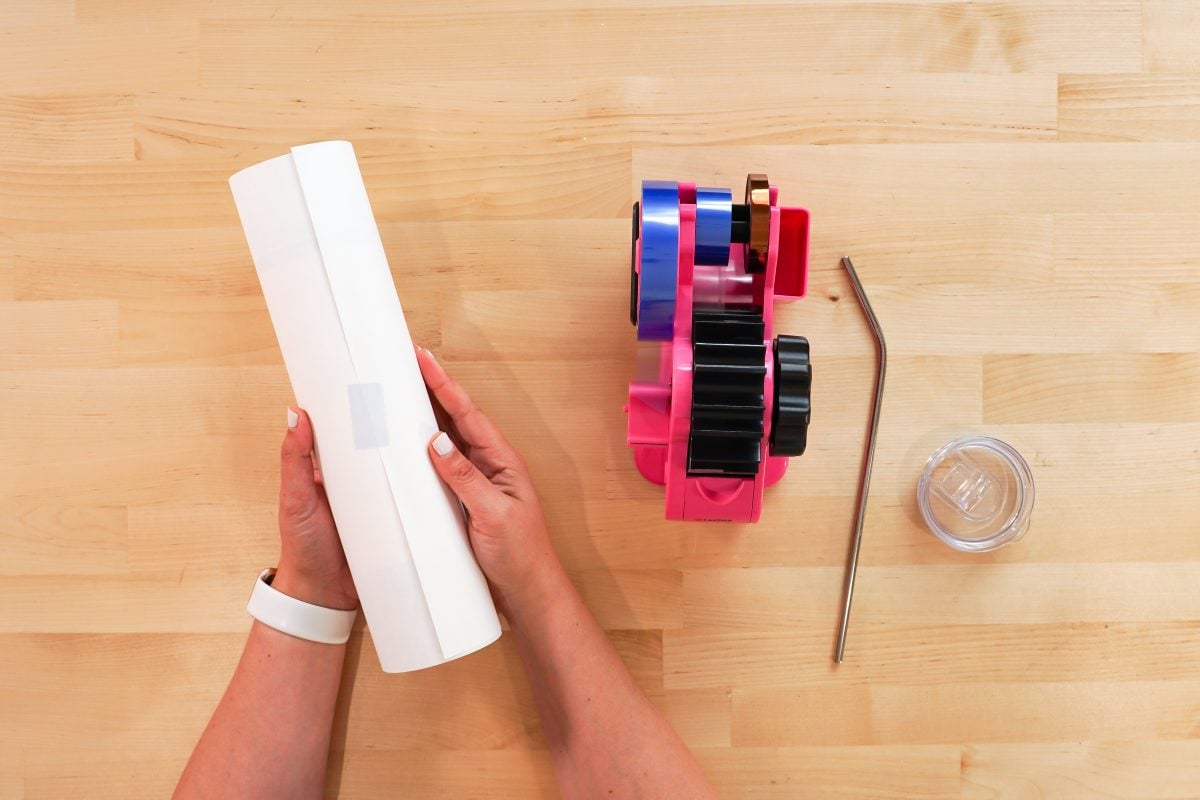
298,494
472,426
470,485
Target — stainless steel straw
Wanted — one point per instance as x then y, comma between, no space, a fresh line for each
864,481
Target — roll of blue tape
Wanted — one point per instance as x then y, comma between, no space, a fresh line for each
714,220
659,262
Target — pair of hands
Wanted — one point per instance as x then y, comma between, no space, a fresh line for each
504,518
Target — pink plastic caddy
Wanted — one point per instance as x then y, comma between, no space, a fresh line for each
716,407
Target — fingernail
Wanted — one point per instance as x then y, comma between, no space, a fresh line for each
443,445
293,420
429,353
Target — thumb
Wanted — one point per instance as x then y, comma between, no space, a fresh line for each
471,486
298,495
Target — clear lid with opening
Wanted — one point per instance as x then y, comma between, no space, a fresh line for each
976,494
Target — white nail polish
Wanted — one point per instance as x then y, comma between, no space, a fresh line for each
293,420
443,445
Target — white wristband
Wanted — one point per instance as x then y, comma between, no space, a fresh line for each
295,617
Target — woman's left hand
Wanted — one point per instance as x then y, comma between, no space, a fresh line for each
312,566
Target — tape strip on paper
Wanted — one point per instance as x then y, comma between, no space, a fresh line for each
368,415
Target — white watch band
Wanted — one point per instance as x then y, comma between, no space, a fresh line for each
295,617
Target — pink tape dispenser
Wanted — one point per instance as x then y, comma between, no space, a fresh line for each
716,406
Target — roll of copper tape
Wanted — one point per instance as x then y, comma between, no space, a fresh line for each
758,200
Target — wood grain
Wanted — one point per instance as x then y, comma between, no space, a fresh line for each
1016,179
1136,107
52,128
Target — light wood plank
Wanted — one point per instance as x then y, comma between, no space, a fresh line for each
97,58
1127,248
917,249
62,540
1137,107
1155,387
86,128
962,594
197,331
49,12
155,778
1117,528
107,195
1020,36
107,690
954,712
209,538
47,334
1169,35
6,268
142,11
69,265
1072,770
932,654
793,773
449,118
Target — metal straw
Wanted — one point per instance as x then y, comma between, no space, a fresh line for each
864,481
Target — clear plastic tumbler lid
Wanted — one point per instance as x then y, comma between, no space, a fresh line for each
976,494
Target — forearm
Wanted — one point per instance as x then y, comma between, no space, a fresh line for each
269,737
606,738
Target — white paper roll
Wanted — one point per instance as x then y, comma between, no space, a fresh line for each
351,362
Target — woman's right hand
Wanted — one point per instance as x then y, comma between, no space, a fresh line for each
504,518
590,706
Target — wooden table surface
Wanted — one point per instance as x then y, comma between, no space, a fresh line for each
1018,181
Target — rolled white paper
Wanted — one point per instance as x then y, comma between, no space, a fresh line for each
351,362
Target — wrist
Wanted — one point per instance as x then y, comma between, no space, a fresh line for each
300,585
545,587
